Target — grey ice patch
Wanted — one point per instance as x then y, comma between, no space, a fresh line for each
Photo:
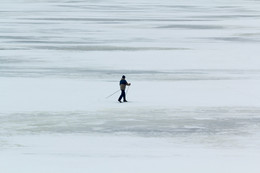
190,26
188,121
151,75
113,20
213,126
236,39
228,16
107,48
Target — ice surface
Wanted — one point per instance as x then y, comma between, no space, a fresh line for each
194,102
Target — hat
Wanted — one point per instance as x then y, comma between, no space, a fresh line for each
123,76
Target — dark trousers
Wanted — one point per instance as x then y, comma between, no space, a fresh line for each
122,95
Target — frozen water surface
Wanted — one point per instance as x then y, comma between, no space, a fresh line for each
194,103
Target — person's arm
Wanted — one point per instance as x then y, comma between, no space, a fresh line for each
126,83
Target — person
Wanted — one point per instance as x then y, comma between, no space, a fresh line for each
123,84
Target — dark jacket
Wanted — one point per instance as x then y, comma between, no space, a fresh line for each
123,84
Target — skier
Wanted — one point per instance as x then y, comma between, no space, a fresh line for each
123,84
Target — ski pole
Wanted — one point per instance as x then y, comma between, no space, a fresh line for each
112,94
127,90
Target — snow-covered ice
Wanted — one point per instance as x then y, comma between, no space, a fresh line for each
194,102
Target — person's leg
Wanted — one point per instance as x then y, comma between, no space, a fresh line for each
122,95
